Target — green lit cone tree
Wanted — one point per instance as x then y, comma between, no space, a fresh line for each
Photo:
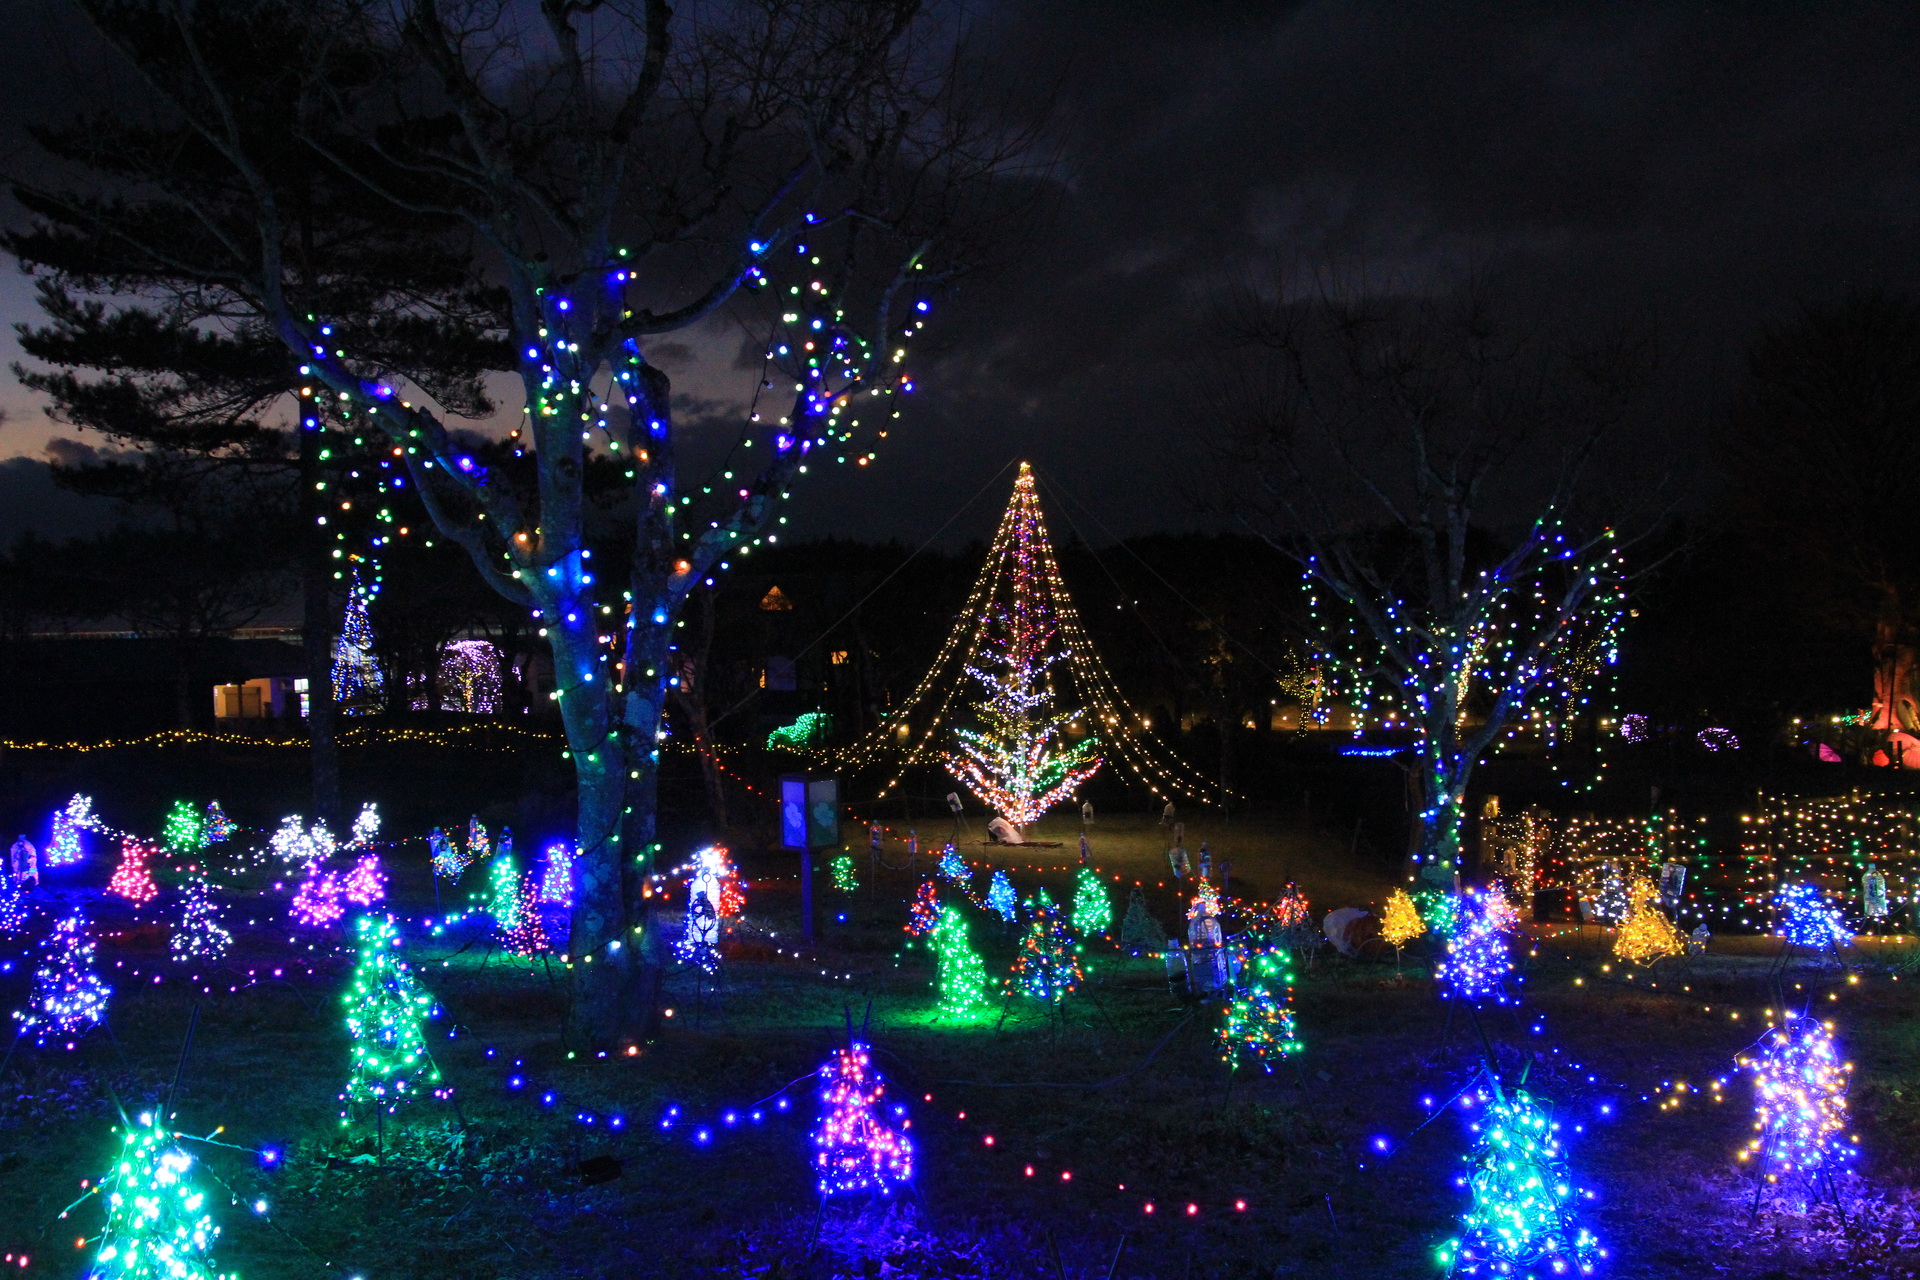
385,1007
1092,909
963,981
158,1227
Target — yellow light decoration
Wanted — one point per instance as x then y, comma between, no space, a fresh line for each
1400,921
1647,935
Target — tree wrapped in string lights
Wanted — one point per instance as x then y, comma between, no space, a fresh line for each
13,903
316,903
1092,908
365,882
1400,921
65,846
846,879
385,1007
923,913
504,900
1808,920
357,680
218,826
860,1143
157,1227
1048,966
1522,1221
199,935
953,868
185,831
131,879
1020,642
528,936
1382,433
1001,899
1476,964
68,997
1259,1025
963,981
1799,1103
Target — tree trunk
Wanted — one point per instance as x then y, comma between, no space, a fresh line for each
1443,786
316,635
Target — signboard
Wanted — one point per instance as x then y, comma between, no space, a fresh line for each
809,812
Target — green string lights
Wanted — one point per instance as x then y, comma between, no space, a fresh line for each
963,980
158,1227
385,1007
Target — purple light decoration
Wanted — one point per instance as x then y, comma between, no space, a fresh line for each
854,1148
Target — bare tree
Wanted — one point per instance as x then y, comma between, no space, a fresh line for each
623,173
1423,460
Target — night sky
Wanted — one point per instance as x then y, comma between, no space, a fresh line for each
1697,168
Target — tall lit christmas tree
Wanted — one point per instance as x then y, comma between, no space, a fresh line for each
385,1008
1001,898
158,1227
69,998
65,847
357,682
1049,712
963,982
1259,1024
185,830
1521,1222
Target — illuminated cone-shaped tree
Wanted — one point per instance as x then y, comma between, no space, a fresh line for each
1092,909
385,1007
503,892
13,904
1521,1222
366,883
65,847
924,912
1800,1102
316,903
157,1226
845,878
1647,935
219,826
1002,899
357,681
1048,967
556,883
199,935
1400,921
861,1142
528,936
131,879
1259,1026
1140,933
185,830
963,982
1476,963
953,867
68,998
1018,761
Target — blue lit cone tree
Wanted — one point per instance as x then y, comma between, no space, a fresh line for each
1048,966
857,1145
157,1225
828,236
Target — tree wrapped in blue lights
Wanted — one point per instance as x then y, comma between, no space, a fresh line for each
953,868
1522,1221
13,903
1800,1103
1048,966
157,1227
65,846
963,981
1001,899
1808,920
1476,964
385,1007
1092,908
68,998
357,680
860,1143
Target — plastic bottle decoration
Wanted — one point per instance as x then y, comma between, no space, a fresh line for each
700,943
385,1007
1673,885
199,935
157,1224
131,879
1873,894
1001,898
963,982
1207,964
1521,1222
449,859
1092,909
1698,939
1140,933
924,913
860,1143
69,998
1048,967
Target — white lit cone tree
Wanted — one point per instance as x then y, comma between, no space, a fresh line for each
1380,442
806,167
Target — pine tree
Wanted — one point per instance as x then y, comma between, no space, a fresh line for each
157,1225
1140,933
1521,1221
857,1146
924,912
1048,967
385,1007
69,998
953,867
1092,910
963,981
1259,1023
1017,761
1001,897
199,935
131,879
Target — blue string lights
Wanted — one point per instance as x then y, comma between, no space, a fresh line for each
1521,1221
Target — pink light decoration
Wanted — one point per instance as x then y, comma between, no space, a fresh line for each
131,879
317,902
366,884
855,1147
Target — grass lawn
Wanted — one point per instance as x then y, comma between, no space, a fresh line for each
1124,1092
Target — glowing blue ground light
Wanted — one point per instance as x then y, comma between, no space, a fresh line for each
860,1143
1521,1222
1808,920
1476,965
